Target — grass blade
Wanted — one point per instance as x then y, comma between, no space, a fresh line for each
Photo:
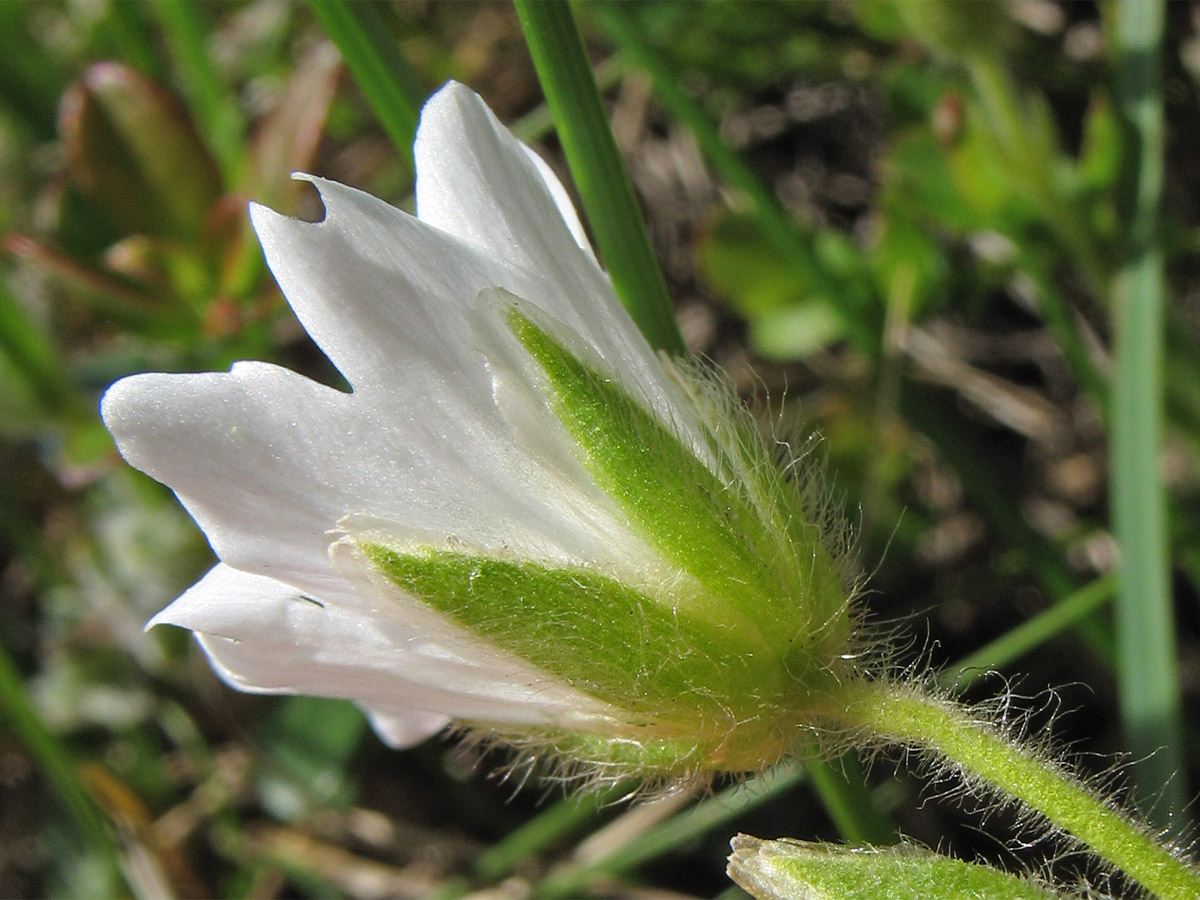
1147,668
1029,635
604,186
56,763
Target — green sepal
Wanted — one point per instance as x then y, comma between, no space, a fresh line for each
584,628
674,679
791,870
705,495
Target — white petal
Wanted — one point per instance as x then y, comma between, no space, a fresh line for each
269,462
402,727
562,200
384,295
477,181
388,297
264,636
390,301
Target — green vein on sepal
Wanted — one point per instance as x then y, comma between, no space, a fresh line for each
586,628
791,870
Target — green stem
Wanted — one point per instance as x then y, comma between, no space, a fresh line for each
604,187
1147,671
981,751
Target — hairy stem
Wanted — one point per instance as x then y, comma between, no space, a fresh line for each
981,750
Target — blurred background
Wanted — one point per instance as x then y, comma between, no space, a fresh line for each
900,226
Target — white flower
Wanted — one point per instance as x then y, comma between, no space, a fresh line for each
419,545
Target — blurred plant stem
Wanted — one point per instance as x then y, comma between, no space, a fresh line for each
1147,668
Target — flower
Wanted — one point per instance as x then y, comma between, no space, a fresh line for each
520,520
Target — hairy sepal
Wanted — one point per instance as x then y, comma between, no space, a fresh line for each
700,487
690,694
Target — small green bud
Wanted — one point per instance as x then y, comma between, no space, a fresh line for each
792,870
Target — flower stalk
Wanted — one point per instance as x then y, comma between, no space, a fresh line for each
977,748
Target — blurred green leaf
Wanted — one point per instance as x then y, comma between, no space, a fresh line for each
797,331
310,742
786,320
1100,155
30,80
210,100
34,387
134,153
953,28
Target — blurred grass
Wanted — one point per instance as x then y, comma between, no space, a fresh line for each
910,221
1147,660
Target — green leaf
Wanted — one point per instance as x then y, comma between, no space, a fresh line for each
792,870
310,743
797,331
1100,156
786,322
955,29
210,99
